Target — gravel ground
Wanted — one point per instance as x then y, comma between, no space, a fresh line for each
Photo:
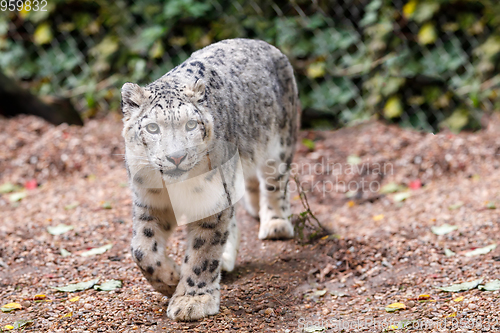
381,249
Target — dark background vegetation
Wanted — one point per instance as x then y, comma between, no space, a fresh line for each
424,64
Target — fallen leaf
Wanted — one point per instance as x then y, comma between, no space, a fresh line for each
350,203
458,299
110,285
312,329
319,293
451,315
74,299
39,297
22,323
65,253
8,327
72,205
18,196
7,188
462,286
491,286
77,286
395,307
59,229
482,250
350,194
449,253
67,315
423,297
353,159
398,197
106,205
378,217
491,205
308,143
338,293
97,250
456,206
444,229
391,188
10,307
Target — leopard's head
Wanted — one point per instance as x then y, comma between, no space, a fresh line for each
167,130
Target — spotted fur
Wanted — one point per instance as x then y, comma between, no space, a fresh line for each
240,91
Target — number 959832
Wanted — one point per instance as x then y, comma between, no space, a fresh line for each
26,5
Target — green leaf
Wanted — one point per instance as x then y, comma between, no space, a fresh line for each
109,285
398,197
456,206
106,205
424,11
462,286
391,188
43,34
427,34
17,196
449,253
491,286
22,323
443,229
7,188
393,108
65,253
482,250
353,159
491,205
319,293
308,143
77,286
458,120
72,205
59,229
97,250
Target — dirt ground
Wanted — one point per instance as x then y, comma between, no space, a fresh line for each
380,251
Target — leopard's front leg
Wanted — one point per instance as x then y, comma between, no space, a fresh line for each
150,233
198,292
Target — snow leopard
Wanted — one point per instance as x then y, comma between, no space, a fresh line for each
238,91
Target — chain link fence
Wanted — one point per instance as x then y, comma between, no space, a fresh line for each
423,64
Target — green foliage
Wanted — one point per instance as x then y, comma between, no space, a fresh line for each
427,64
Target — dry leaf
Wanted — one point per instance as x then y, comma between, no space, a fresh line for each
395,307
10,307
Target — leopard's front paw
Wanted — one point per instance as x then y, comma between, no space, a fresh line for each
189,308
276,228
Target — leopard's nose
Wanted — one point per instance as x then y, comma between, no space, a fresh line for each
177,158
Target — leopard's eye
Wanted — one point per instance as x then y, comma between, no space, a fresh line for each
153,128
191,125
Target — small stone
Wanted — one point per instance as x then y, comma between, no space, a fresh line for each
88,306
269,311
26,304
472,306
410,304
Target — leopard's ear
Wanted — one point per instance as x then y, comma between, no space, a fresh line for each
132,98
196,91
